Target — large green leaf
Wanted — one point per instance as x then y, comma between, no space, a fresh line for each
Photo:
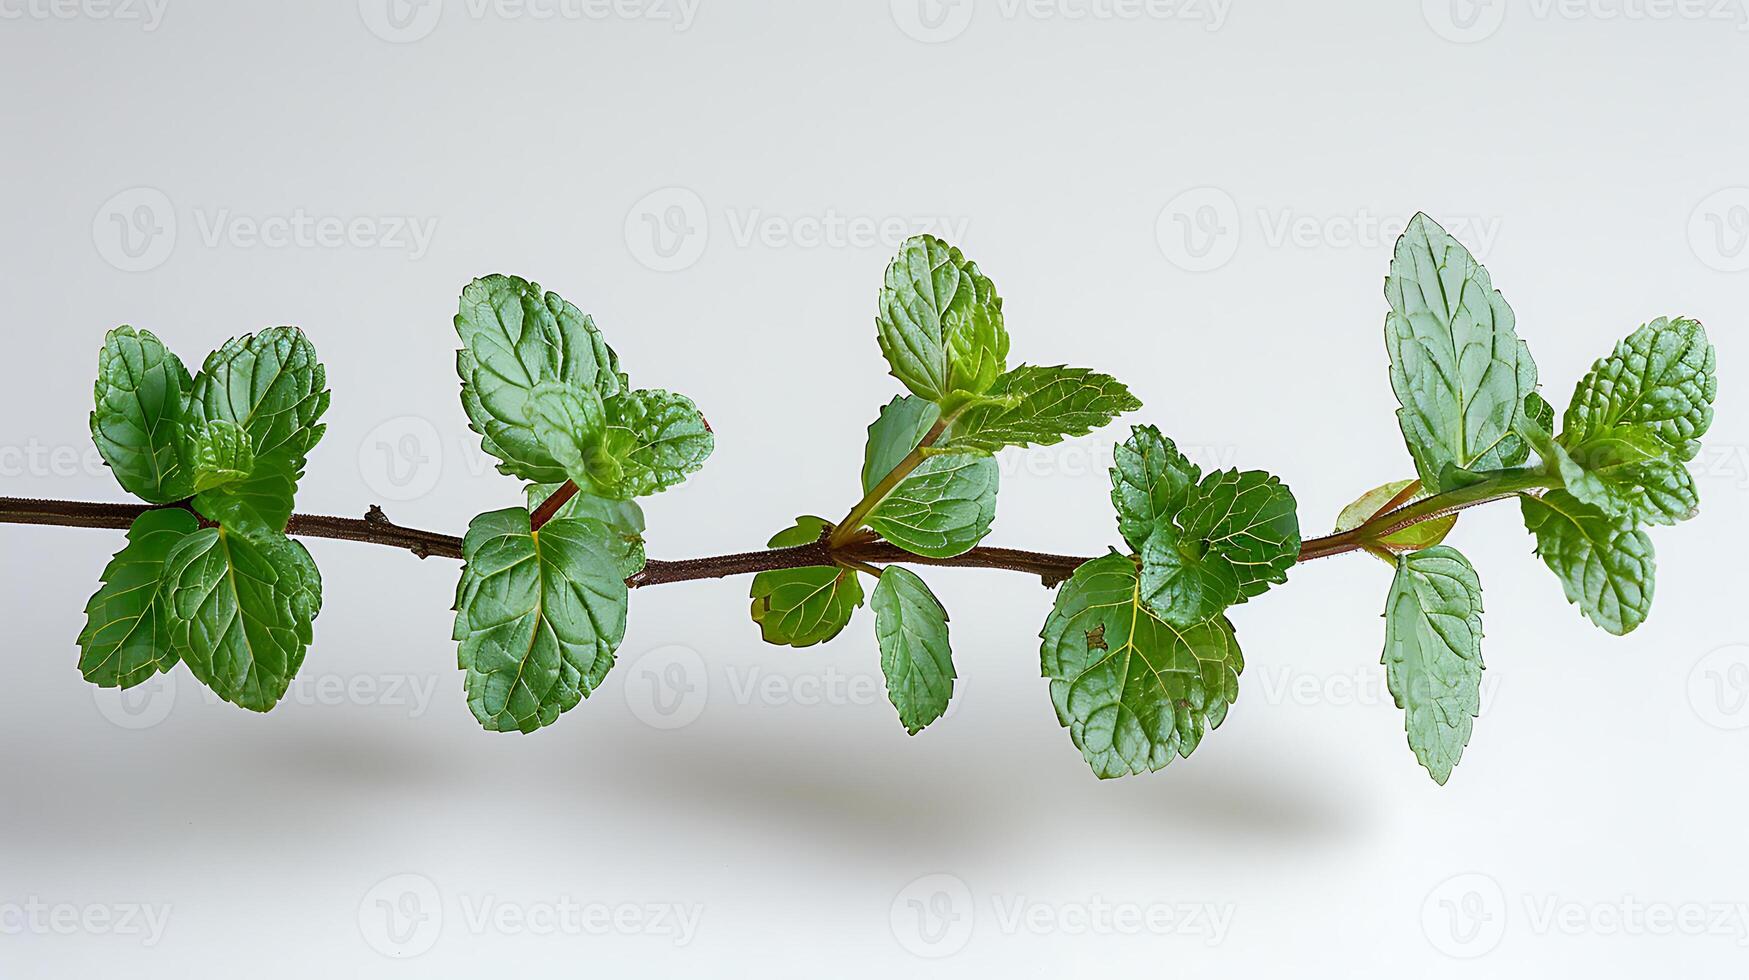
272,386
911,626
1237,535
1458,368
1037,406
141,403
940,322
538,616
1133,690
1150,482
945,506
238,607
1433,654
800,607
1606,565
513,338
126,638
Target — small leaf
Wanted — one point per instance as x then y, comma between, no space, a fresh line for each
1133,690
142,401
932,289
513,338
1415,538
1237,535
538,616
570,423
800,607
238,607
1150,482
1659,382
901,426
274,388
216,453
1605,565
1433,654
1458,368
126,639
1037,406
657,439
943,509
911,626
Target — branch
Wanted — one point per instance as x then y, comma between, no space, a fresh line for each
376,528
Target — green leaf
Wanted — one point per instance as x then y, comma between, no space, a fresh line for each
1606,566
656,439
141,402
800,607
1658,384
571,424
911,626
1037,406
1237,535
126,638
1458,368
945,506
1415,538
1150,482
1433,654
217,453
943,509
1133,690
538,616
513,338
932,291
272,386
238,607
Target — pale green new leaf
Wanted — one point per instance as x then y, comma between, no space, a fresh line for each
1150,482
238,608
1037,406
126,638
911,626
1133,690
141,402
1659,382
933,290
217,453
538,616
800,607
655,439
1458,368
571,424
1370,504
514,337
1606,565
1433,654
273,387
943,509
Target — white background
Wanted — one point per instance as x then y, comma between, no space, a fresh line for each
1197,197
